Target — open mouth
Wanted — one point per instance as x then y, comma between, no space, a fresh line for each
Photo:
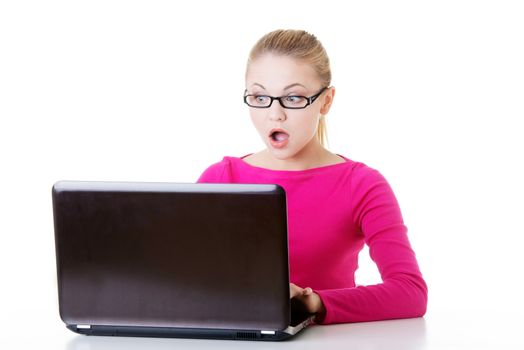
279,135
278,138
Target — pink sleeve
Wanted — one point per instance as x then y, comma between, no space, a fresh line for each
403,292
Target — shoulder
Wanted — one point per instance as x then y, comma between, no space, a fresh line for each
359,173
371,192
363,173
367,182
213,172
216,172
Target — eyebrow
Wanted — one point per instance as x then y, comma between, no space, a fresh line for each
287,87
293,85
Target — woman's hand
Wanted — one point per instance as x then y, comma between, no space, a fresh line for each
310,299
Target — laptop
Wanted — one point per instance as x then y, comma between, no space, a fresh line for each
161,259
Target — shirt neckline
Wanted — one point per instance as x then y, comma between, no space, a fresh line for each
240,161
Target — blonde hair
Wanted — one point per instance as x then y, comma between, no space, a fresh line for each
300,45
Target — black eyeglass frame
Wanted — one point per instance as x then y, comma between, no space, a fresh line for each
309,99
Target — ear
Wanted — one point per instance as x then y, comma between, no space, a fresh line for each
327,100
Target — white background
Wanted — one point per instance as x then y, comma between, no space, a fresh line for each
431,94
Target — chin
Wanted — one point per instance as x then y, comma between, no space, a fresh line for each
281,154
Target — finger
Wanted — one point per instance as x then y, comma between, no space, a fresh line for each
294,290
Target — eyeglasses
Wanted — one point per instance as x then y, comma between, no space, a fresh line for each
290,102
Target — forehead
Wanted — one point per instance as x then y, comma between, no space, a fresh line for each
276,71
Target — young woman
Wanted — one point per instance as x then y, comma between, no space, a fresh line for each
335,204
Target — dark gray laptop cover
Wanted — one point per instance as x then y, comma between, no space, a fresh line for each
174,259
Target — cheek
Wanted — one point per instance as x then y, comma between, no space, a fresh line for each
257,120
305,125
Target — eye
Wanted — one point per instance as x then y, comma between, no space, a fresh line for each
261,98
295,99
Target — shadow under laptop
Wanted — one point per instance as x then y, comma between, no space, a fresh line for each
407,334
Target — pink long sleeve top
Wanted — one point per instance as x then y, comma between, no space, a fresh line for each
332,212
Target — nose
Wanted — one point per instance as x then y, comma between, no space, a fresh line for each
276,111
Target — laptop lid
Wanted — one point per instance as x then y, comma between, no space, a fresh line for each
159,256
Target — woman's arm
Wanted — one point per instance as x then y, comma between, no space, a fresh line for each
403,293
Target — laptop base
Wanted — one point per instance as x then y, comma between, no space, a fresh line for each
198,333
